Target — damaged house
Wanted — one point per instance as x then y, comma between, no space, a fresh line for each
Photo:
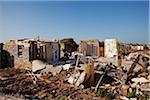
109,49
22,52
94,74
67,45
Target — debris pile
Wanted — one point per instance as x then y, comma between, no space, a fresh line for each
88,78
21,85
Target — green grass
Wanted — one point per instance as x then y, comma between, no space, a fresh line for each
132,94
100,92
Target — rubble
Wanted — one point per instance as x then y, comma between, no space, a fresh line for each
140,80
81,77
37,65
66,67
45,68
50,88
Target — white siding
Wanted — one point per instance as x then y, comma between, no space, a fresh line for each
110,46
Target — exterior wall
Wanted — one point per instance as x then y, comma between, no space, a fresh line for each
111,48
22,53
137,47
41,51
49,55
140,48
101,51
12,50
24,60
33,51
83,48
19,61
55,52
89,48
52,52
62,47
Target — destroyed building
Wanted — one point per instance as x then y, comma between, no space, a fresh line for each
23,51
137,47
93,48
67,45
108,49
133,47
126,49
90,78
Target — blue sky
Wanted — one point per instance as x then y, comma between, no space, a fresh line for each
125,20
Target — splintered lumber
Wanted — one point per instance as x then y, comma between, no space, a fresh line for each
33,77
77,61
99,81
134,64
90,73
95,71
